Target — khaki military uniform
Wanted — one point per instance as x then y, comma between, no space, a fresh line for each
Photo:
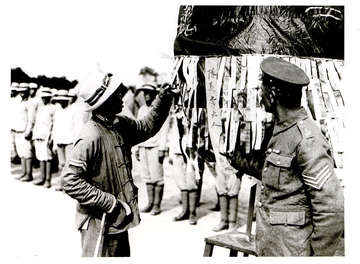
301,208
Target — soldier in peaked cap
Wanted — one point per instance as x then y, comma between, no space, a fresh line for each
98,173
301,208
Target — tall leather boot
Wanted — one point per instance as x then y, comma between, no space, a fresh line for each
41,179
47,183
159,192
28,177
201,165
224,206
198,194
217,205
233,210
150,192
23,169
192,207
184,215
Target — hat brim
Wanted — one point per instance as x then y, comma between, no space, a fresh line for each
114,84
22,89
61,98
284,71
145,89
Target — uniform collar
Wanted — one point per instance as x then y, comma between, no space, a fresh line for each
103,120
301,114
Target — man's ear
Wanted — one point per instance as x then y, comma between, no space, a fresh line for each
272,96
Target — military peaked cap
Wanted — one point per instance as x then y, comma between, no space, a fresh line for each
285,71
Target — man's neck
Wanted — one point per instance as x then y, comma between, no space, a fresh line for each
283,113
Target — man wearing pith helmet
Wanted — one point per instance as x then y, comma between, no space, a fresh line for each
43,137
14,100
63,132
301,208
35,101
151,153
23,122
14,89
98,173
33,98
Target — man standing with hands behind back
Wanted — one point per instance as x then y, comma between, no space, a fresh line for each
98,173
301,208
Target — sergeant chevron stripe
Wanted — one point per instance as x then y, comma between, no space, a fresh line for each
78,163
319,180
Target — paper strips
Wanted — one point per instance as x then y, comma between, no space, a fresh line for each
235,116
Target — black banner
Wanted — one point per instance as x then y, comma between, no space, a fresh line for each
308,31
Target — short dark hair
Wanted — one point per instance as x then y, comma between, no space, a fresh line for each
288,95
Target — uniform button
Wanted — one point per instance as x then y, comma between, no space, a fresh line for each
278,162
262,187
277,151
259,204
265,169
301,122
269,150
285,224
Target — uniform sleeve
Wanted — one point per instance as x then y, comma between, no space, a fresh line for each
252,163
55,126
325,192
31,118
139,130
76,174
164,132
53,111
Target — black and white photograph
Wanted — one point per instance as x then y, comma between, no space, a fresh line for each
171,131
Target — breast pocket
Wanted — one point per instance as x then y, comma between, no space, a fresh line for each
276,166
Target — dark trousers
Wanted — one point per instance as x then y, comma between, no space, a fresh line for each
116,245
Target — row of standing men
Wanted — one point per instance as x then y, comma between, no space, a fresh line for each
46,122
43,128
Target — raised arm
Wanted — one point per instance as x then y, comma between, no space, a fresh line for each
136,131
